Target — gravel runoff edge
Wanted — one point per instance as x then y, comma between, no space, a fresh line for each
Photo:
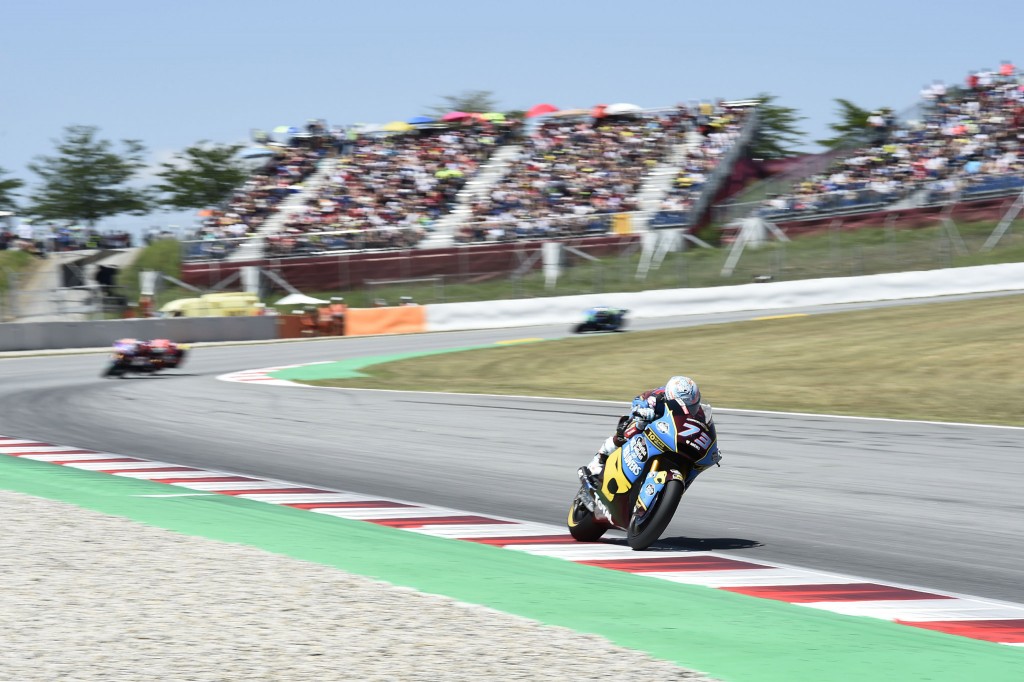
89,597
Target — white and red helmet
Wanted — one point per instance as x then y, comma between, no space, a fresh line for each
683,392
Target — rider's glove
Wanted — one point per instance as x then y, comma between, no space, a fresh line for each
643,413
623,423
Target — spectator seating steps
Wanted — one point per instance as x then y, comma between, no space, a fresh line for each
913,200
658,182
709,188
253,248
490,173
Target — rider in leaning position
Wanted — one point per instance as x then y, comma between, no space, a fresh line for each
680,396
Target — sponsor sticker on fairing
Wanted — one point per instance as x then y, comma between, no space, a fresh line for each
658,443
639,448
629,459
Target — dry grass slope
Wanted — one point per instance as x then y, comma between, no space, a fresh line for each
958,361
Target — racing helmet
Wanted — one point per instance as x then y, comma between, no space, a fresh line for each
683,392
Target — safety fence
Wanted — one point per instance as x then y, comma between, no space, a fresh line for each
849,246
859,198
499,270
291,244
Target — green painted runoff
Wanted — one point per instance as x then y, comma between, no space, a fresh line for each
729,636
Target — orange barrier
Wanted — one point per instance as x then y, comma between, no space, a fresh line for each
289,326
406,319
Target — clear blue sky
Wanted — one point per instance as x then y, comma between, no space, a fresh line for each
173,73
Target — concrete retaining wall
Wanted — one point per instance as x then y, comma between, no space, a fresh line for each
764,296
97,334
351,269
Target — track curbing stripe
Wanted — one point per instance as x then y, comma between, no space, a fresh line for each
958,615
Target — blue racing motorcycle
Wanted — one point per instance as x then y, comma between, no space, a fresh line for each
602,319
642,481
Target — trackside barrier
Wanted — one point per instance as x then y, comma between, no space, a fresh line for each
760,296
405,319
100,333
563,310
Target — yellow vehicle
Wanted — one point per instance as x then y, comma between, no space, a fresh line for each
227,304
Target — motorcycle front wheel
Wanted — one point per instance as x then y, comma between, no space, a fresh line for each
643,533
114,370
582,524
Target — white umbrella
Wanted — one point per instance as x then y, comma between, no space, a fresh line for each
621,108
255,152
299,299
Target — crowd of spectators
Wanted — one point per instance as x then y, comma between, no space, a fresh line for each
966,143
719,126
43,239
223,227
572,173
390,189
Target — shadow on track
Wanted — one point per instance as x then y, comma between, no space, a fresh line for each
147,377
684,544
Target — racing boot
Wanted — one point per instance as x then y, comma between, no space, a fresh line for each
590,474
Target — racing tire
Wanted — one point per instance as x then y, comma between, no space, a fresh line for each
112,371
581,327
644,534
582,524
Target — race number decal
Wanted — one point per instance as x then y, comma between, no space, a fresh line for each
613,474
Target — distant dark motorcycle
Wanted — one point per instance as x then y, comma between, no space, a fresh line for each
602,319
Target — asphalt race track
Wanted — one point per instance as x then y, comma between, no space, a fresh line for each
930,505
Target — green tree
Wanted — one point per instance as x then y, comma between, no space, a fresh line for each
777,130
471,101
87,181
201,175
7,191
852,124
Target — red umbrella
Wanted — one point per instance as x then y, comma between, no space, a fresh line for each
455,116
598,111
540,110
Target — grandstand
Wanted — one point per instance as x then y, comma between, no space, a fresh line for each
959,144
567,173
619,170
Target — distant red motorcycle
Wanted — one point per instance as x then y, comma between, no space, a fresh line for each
166,354
144,357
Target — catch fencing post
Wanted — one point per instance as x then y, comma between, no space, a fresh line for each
1005,223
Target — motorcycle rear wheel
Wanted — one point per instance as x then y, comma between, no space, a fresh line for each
645,533
582,524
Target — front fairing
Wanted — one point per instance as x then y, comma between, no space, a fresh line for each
626,473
